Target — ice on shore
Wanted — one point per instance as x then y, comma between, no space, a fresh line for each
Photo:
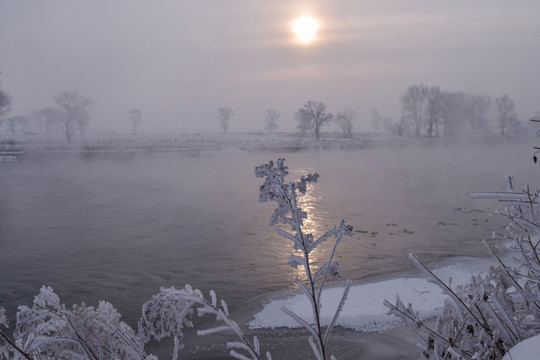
364,309
526,350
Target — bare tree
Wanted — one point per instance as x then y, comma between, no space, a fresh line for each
224,116
12,125
412,105
313,115
396,128
5,103
74,112
375,119
271,120
135,117
433,110
345,120
479,106
402,126
15,122
506,113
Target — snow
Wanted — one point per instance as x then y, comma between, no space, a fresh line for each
526,350
364,309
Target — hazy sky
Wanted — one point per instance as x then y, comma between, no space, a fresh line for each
178,61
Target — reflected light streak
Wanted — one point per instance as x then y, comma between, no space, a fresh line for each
312,225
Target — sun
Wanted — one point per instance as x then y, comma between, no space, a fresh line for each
305,29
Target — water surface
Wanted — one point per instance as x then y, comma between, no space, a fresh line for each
119,229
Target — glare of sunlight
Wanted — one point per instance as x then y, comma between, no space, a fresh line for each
305,29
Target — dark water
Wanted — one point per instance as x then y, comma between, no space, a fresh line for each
118,229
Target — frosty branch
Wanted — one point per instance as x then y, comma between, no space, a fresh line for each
485,318
290,213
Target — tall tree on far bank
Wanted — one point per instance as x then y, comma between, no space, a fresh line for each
224,116
453,105
412,105
271,120
313,115
479,106
345,121
5,103
74,112
506,113
135,117
433,109
376,119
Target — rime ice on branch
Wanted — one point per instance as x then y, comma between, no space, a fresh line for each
494,312
290,213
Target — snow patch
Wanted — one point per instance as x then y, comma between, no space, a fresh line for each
364,309
525,350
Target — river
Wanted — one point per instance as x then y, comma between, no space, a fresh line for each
114,229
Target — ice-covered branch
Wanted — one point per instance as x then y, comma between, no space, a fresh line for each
290,212
493,312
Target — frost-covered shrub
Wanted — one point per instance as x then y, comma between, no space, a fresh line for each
169,310
165,315
49,330
493,312
290,213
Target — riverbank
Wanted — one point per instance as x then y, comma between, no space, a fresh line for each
364,330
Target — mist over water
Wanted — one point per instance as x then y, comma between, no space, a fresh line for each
118,230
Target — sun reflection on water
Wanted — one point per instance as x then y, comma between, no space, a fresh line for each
316,224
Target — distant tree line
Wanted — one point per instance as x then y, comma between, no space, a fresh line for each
5,104
425,111
428,111
70,116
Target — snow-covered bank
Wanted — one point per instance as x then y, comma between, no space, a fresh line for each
364,309
526,350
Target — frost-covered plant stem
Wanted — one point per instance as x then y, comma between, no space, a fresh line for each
14,346
222,314
290,213
495,311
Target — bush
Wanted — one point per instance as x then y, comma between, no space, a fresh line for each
492,313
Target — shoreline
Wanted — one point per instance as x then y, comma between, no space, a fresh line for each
392,343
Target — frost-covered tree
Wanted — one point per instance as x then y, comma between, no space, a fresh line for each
312,115
224,117
135,118
271,120
345,120
74,112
